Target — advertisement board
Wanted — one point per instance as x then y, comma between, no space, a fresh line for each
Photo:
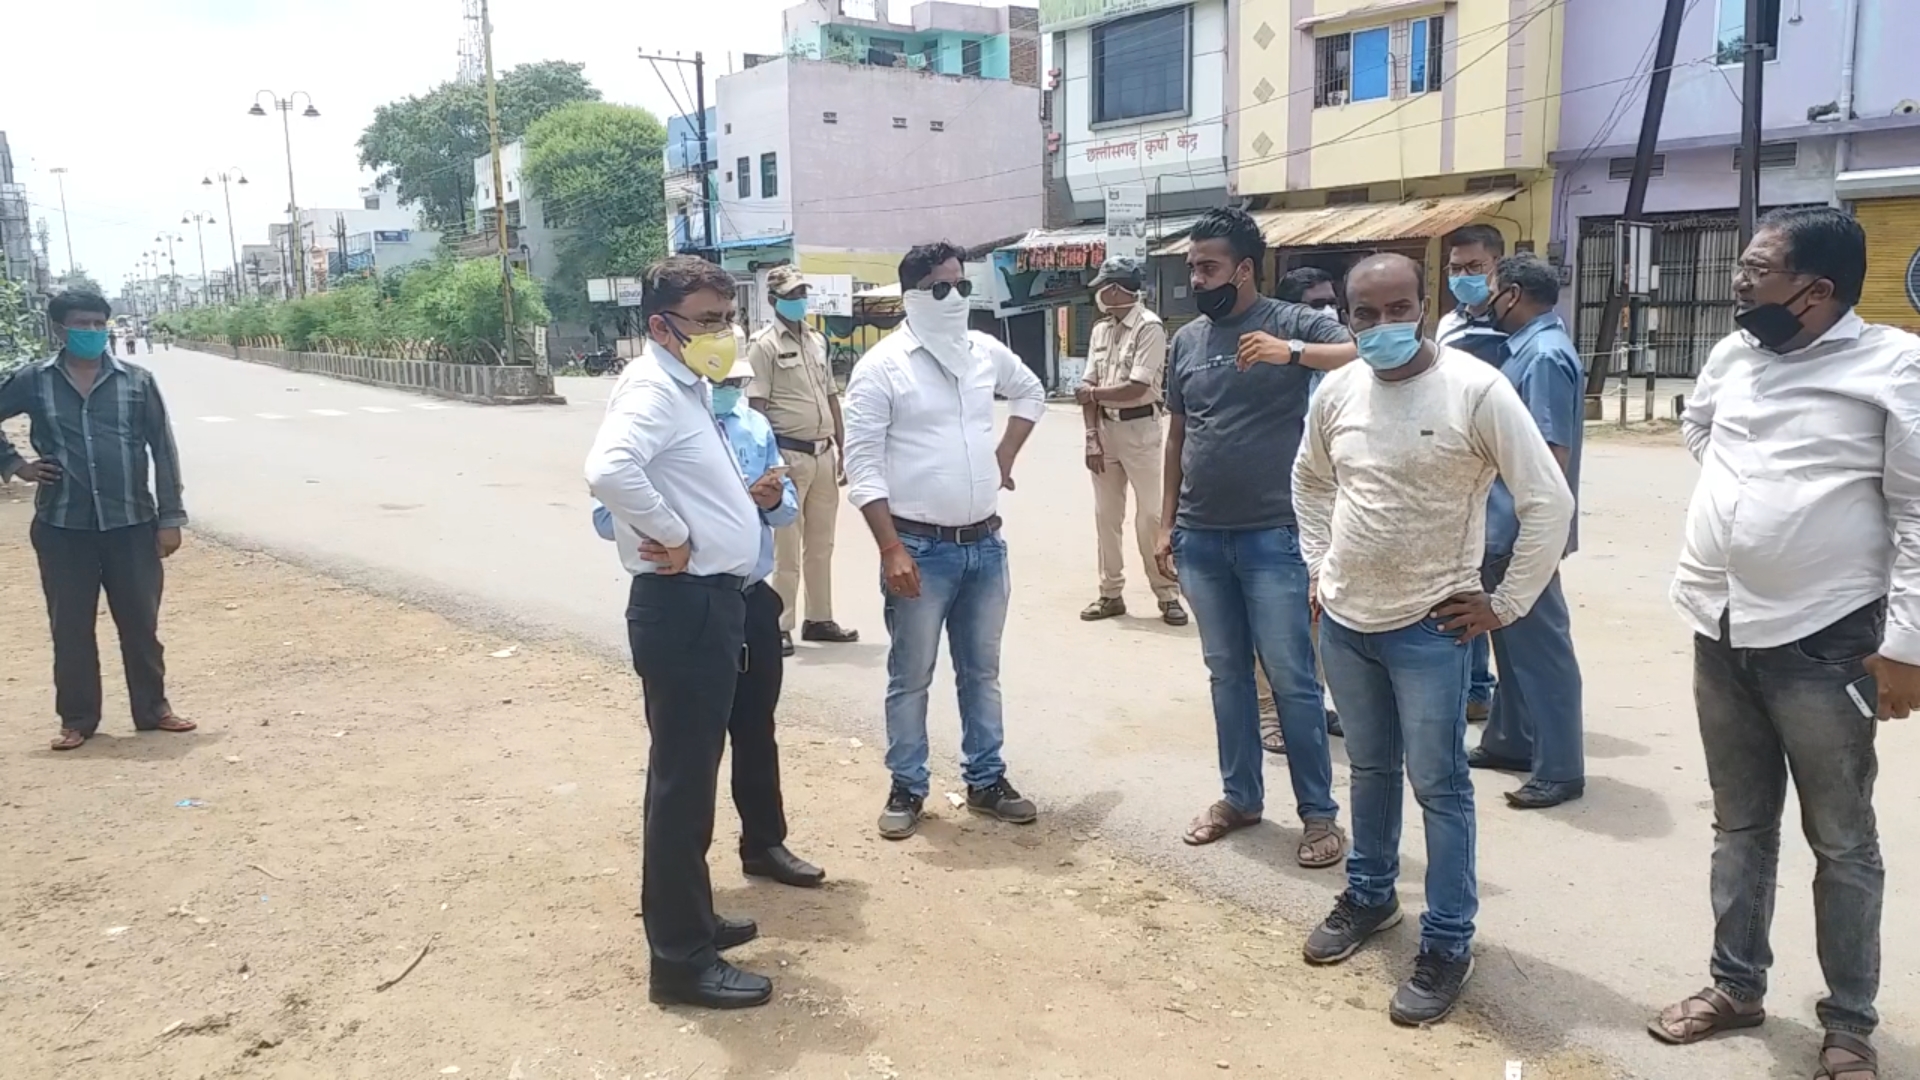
1127,221
1068,14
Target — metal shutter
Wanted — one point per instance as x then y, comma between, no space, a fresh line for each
1892,295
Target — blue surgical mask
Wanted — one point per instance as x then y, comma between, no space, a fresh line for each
1389,345
1470,289
86,344
791,309
725,399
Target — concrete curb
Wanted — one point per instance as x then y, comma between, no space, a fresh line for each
478,384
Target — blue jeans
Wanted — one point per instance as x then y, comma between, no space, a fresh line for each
963,588
1402,697
1768,716
1484,683
1537,714
1248,591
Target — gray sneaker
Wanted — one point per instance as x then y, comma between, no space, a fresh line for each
901,818
1429,996
1000,800
1348,927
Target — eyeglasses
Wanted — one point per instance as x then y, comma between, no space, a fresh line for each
942,289
1756,272
711,325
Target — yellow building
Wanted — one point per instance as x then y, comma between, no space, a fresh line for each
1366,126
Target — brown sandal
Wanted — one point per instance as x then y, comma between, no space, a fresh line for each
1220,819
1866,1061
1314,852
1705,1014
69,740
171,722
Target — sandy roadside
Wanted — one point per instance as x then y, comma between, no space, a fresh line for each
370,780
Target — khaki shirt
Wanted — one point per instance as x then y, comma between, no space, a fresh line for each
790,374
1132,349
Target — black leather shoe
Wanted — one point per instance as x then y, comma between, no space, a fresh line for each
1478,758
1544,794
783,866
733,933
829,632
786,643
721,986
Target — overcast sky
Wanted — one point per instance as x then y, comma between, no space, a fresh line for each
163,99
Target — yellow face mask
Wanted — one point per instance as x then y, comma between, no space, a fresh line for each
709,356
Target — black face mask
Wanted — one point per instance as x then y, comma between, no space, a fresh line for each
1217,302
1772,325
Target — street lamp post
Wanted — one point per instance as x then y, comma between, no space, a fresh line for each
66,227
173,274
285,105
233,247
200,221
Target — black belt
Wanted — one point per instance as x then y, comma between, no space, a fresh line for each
728,582
963,534
1138,412
803,446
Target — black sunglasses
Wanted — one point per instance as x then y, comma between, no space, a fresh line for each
941,289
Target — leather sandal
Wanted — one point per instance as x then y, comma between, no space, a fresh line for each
1864,1063
1219,819
174,723
69,740
1705,1014
1315,853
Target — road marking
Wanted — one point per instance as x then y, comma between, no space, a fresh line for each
326,412
216,419
429,405
376,408
270,415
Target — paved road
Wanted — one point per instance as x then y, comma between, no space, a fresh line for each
1592,915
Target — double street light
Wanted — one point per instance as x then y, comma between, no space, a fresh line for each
286,105
227,178
173,275
199,223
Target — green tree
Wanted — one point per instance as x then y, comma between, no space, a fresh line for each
425,145
77,280
596,167
22,334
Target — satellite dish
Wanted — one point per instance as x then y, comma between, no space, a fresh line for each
1907,108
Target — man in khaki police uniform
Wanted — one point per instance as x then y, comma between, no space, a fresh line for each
1120,399
794,387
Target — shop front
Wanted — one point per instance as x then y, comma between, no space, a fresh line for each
1886,202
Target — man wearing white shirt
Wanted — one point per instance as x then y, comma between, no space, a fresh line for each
924,469
664,469
1800,578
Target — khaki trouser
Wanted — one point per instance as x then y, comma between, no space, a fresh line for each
1269,712
1133,456
810,537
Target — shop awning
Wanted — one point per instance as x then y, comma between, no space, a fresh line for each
1878,183
1365,223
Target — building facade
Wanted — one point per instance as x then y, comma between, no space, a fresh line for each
839,164
1842,124
1356,126
683,167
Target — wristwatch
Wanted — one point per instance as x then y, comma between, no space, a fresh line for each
1298,349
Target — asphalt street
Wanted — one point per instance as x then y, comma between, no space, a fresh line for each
1593,915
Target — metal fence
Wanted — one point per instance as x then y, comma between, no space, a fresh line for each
1693,306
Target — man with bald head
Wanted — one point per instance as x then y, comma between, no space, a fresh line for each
1390,488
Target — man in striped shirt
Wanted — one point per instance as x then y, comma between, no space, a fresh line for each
94,422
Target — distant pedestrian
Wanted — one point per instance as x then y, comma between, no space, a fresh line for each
1311,286
926,473
794,388
756,696
1391,487
1237,392
1537,727
1121,407
1799,580
97,524
1473,253
665,470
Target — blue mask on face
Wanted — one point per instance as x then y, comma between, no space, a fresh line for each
86,344
1470,289
791,309
725,399
1389,345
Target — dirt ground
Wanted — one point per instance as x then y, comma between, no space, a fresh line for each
371,780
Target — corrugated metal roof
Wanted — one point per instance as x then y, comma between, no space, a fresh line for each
1096,233
1365,222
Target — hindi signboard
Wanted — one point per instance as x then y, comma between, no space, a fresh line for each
626,291
1127,221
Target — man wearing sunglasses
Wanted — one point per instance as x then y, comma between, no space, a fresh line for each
925,471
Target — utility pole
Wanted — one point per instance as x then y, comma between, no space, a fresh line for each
1758,41
285,105
66,227
499,186
1643,156
699,118
173,274
233,245
340,243
200,222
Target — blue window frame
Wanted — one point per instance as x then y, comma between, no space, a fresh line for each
1372,65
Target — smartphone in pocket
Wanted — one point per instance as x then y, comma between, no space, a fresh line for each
1865,695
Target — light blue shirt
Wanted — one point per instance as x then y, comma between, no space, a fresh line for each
755,451
1543,364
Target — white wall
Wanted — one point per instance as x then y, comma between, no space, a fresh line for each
509,174
753,112
1136,153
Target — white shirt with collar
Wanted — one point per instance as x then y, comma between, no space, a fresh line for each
664,469
921,436
1808,503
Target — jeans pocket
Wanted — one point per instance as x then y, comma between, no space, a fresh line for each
1431,626
1848,641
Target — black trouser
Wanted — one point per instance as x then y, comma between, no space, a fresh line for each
756,755
689,641
74,565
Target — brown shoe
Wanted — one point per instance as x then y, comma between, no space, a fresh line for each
1107,607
